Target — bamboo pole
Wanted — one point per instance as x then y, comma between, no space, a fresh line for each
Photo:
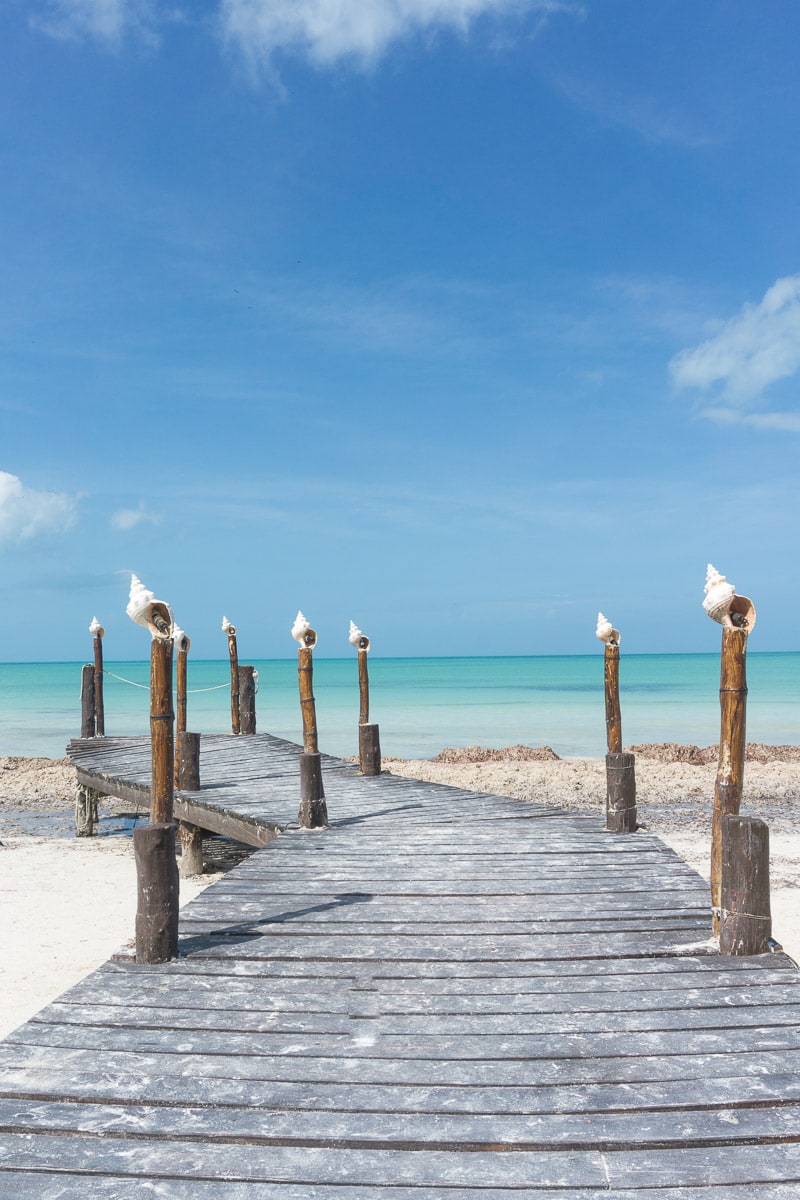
99,707
363,686
737,616
154,844
308,708
613,712
729,782
233,653
181,681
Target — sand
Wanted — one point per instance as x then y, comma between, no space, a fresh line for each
69,903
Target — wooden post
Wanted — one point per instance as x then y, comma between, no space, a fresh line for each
308,708
369,750
613,713
162,734
99,707
158,892
247,700
86,819
313,809
745,918
233,653
730,769
620,768
363,684
191,849
187,760
87,701
182,644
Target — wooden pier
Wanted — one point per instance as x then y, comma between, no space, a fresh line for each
445,995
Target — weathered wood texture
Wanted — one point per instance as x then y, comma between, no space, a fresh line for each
308,708
443,994
99,704
745,919
162,732
157,894
313,812
363,688
369,750
87,701
732,739
233,654
187,761
613,714
621,793
247,700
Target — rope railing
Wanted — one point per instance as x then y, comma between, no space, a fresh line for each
192,691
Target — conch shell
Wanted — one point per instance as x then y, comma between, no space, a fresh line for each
227,627
96,629
724,606
145,610
302,631
606,632
357,638
180,640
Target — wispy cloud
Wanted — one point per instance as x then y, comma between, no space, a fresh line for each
745,356
109,22
25,513
126,519
328,31
654,120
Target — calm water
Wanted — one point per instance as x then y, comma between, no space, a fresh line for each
423,704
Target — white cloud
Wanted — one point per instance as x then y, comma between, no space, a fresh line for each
750,352
128,518
106,21
329,30
24,513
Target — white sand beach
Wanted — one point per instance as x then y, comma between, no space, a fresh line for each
69,903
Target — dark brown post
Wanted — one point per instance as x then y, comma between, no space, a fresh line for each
187,761
87,701
620,768
191,849
97,631
313,809
745,918
154,844
86,819
247,700
737,616
369,746
233,653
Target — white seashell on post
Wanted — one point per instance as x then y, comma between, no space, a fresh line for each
227,627
96,629
302,632
357,638
144,609
719,594
606,632
180,640
724,606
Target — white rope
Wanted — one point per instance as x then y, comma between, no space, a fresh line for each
192,691
215,688
130,681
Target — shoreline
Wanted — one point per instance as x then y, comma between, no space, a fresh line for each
69,903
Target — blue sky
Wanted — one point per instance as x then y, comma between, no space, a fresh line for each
461,318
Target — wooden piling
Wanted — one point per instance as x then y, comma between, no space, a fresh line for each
730,769
158,892
87,701
162,735
247,700
187,760
745,916
313,812
233,653
86,818
308,709
621,793
99,704
369,750
191,849
363,686
613,713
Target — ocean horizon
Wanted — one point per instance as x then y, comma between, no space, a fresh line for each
424,704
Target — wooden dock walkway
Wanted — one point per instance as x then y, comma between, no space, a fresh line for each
445,995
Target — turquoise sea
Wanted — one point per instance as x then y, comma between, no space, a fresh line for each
424,704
